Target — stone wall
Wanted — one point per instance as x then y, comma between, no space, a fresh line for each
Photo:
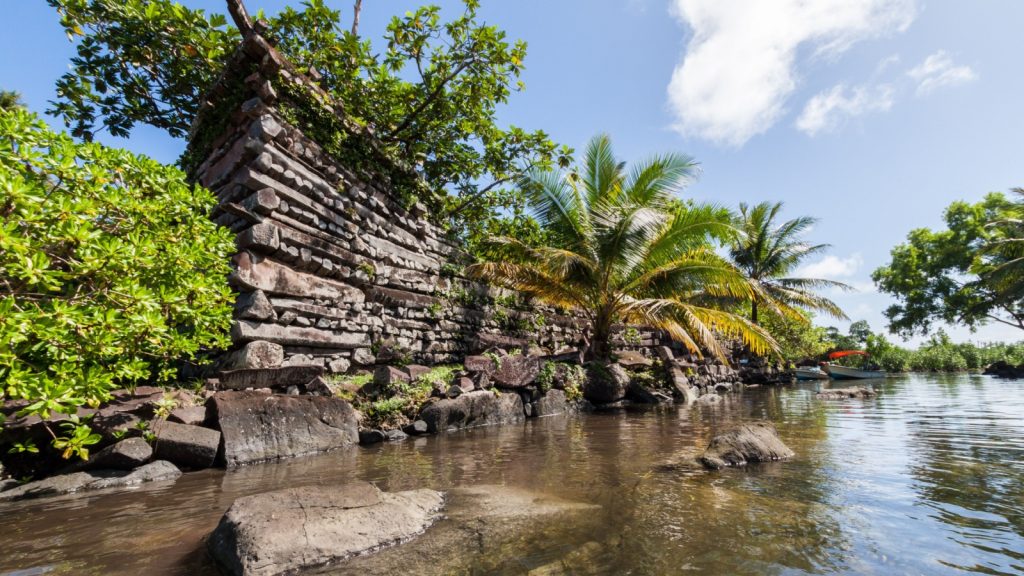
335,267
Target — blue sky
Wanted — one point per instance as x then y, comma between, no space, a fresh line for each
871,115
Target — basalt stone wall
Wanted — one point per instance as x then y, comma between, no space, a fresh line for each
338,262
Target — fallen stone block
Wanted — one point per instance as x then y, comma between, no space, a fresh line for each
472,409
187,446
92,480
258,427
297,529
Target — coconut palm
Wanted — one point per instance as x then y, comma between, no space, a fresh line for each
622,249
1003,271
768,253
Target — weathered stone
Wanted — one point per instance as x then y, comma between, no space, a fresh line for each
244,331
257,427
723,387
253,273
632,359
254,306
367,437
681,386
550,404
187,446
395,435
417,428
192,415
416,370
845,393
606,383
749,442
488,340
364,357
516,371
127,454
479,364
257,354
454,391
92,480
465,383
664,353
479,408
297,529
275,378
339,365
387,377
641,395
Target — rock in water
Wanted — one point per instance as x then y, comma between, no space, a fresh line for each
295,529
844,393
480,408
750,442
128,454
257,427
93,480
606,383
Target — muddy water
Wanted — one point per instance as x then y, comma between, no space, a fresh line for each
926,479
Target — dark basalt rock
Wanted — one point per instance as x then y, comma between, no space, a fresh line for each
93,480
606,383
296,529
516,371
257,427
478,408
128,454
749,442
192,447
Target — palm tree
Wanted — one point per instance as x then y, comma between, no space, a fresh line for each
1003,249
767,253
621,248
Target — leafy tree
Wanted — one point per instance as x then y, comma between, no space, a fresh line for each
430,97
110,272
859,331
798,339
621,249
10,99
767,252
949,275
1004,249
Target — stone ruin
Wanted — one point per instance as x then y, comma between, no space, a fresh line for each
338,264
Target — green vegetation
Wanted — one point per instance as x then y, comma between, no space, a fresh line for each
940,354
767,253
396,406
110,272
429,91
621,248
966,274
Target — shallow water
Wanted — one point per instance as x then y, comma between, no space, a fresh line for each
928,478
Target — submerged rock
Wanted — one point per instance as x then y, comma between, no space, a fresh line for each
844,393
295,529
479,408
257,427
749,442
93,480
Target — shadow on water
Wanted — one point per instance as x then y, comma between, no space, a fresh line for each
927,478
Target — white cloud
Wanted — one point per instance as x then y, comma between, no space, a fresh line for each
739,66
832,267
829,109
938,71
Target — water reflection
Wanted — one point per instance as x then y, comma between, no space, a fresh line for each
927,478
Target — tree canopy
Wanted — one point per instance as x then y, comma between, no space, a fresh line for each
110,272
951,275
430,95
621,248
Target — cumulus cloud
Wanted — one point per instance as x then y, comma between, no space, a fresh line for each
739,67
832,267
830,109
938,71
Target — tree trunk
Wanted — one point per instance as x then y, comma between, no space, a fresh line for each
355,16
753,312
600,344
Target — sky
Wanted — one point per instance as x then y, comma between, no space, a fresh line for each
870,115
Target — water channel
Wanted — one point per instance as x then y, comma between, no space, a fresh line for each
928,478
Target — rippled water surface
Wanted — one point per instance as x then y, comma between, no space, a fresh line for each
926,479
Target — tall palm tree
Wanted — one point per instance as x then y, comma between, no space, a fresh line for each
1003,249
622,249
767,253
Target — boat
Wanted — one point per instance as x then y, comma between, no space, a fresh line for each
846,372
810,373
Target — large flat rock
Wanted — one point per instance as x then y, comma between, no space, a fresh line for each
472,409
256,427
297,529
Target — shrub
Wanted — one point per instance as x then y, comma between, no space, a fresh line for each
110,271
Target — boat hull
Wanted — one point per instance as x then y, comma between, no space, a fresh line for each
810,374
844,373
